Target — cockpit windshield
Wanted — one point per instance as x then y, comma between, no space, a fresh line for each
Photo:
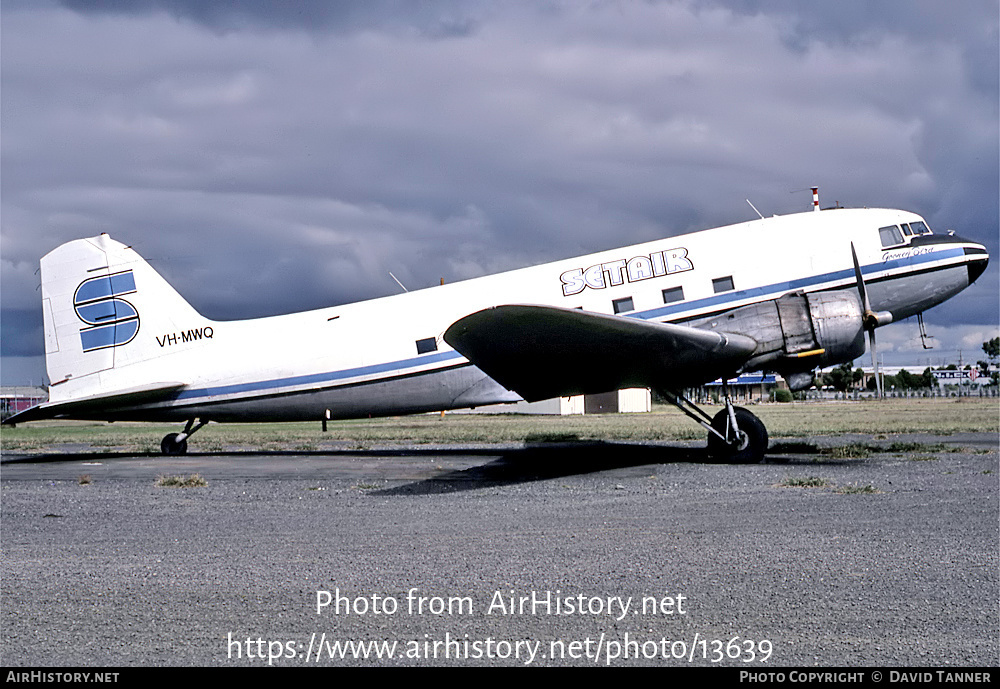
894,235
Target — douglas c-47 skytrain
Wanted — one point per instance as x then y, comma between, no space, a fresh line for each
785,294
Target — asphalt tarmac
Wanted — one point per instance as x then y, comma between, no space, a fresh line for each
548,555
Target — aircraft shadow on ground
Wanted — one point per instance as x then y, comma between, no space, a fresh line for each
560,459
533,462
543,462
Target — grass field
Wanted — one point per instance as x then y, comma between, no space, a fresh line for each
941,416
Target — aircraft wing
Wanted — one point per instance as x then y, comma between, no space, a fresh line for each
93,406
541,352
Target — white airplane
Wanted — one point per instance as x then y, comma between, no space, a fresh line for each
784,294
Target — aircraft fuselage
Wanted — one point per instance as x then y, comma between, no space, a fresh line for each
387,355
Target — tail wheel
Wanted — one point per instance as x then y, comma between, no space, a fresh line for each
747,443
170,445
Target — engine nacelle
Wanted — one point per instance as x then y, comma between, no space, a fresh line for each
798,332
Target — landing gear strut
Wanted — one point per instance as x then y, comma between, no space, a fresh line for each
176,443
734,435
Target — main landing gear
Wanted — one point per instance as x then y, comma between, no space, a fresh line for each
734,434
176,443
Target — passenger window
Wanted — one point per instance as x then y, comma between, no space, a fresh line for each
427,345
723,284
672,294
890,236
623,305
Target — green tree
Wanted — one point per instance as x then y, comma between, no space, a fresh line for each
992,349
841,378
907,381
928,379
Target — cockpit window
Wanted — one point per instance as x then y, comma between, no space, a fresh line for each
890,235
920,228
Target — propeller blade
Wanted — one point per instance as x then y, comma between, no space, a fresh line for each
878,378
861,283
869,319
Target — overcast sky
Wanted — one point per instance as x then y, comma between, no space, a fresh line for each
275,157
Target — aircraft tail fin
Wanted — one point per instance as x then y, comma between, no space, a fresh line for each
105,309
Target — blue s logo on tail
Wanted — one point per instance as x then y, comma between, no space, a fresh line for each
110,320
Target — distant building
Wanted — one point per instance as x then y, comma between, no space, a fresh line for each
630,400
17,399
616,401
971,376
748,386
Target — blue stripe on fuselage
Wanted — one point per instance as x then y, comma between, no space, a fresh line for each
792,285
312,379
714,301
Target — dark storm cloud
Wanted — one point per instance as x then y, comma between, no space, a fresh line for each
23,339
270,157
434,18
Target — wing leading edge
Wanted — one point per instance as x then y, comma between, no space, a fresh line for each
541,352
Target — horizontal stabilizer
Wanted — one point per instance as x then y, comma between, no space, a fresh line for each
541,352
93,406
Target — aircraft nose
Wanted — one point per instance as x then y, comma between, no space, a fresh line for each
977,259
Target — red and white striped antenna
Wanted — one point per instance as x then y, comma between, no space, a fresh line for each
815,191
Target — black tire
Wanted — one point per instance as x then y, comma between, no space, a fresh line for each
752,445
171,446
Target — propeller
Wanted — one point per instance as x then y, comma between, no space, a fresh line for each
870,319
